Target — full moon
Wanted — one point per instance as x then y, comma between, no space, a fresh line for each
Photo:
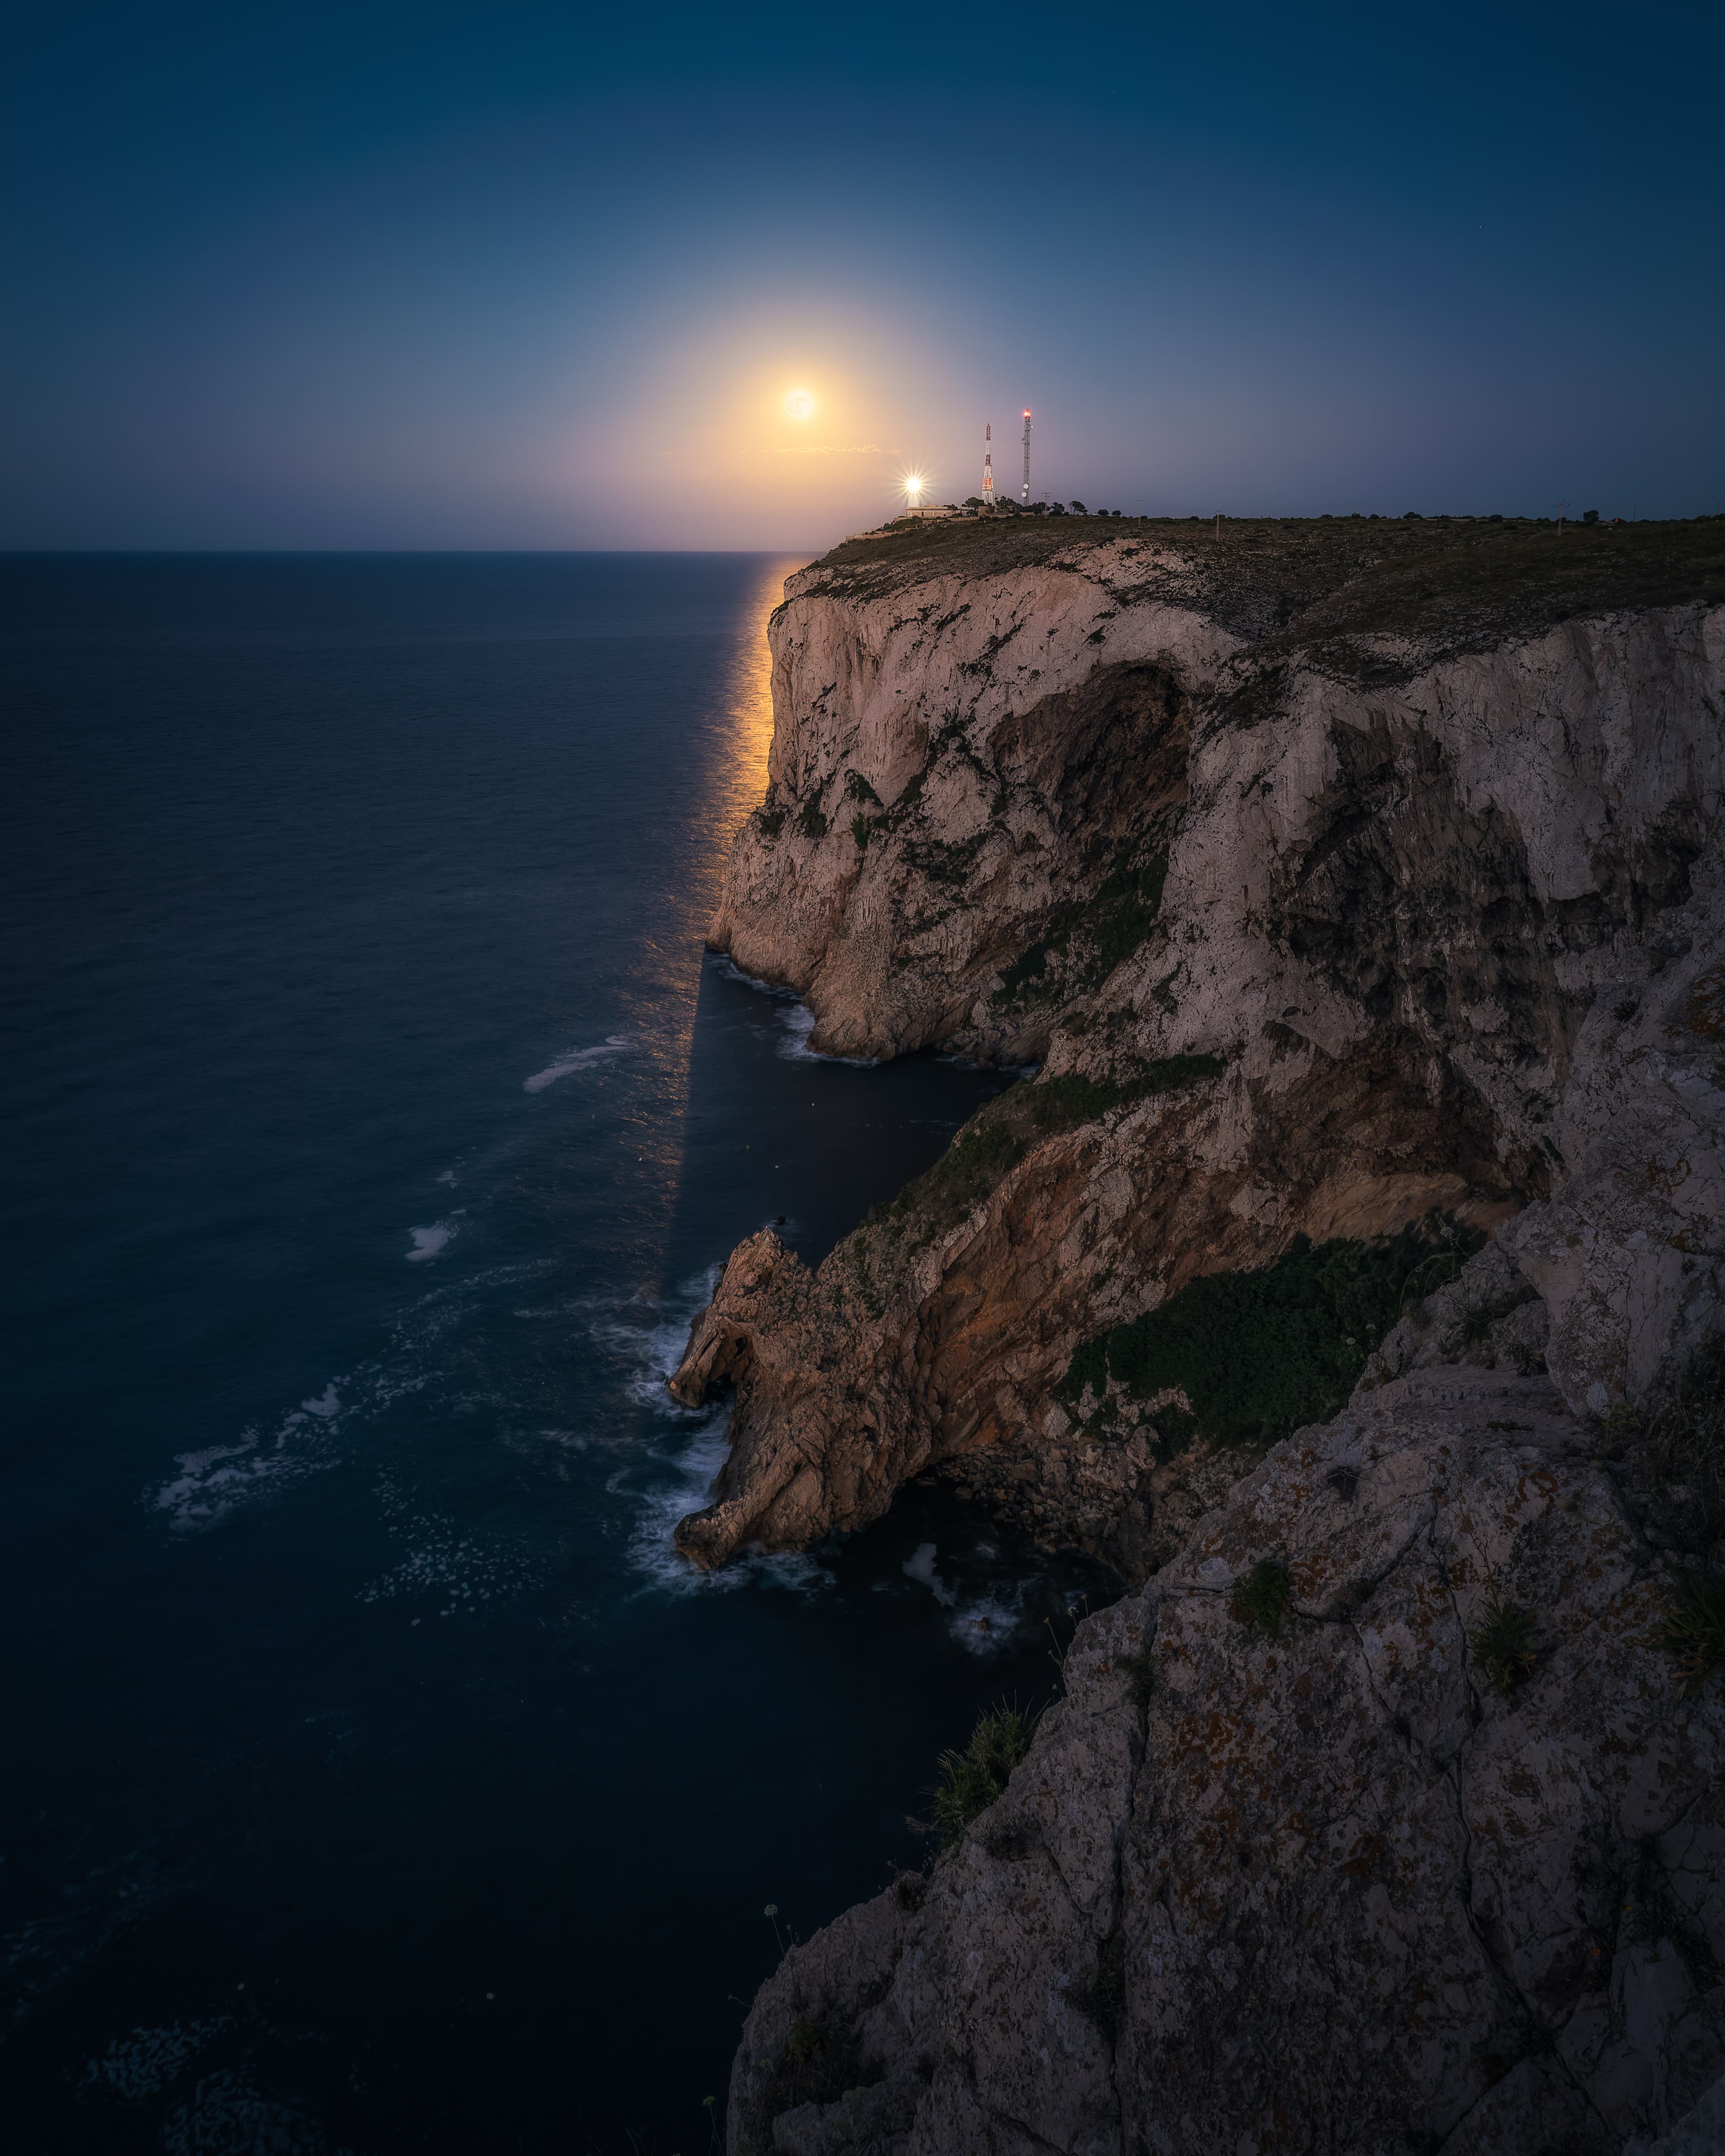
798,404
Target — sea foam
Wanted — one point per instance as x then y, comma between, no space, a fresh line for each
616,1044
983,1625
799,1021
215,1480
675,1476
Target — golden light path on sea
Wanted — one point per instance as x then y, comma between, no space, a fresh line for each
728,742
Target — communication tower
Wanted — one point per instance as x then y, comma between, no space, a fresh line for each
1027,456
987,468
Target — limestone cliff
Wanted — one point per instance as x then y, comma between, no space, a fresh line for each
1351,885
1339,878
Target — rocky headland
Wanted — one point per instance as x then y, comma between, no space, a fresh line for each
1348,1275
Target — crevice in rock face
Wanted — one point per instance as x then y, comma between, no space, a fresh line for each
1018,2126
1528,2029
1359,1592
1422,910
1106,757
1123,1832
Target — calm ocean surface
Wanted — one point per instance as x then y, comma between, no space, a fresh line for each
377,1779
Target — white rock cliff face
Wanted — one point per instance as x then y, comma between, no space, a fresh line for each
1316,931
953,719
1452,942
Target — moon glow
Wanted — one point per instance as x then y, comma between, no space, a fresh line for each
798,404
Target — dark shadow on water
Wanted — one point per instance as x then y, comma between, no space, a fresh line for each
775,1137
886,1646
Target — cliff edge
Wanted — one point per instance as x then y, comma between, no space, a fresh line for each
1348,1274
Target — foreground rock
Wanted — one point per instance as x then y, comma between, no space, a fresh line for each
1324,1888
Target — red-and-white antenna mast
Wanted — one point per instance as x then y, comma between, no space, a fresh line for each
1027,456
987,468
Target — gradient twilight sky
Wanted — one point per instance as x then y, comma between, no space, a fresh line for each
520,275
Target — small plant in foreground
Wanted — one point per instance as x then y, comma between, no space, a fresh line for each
805,2042
1431,1274
1502,1645
1695,1630
1140,1676
819,2063
1681,1431
1263,1597
1074,1615
971,1780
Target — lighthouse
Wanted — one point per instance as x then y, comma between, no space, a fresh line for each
1027,457
987,468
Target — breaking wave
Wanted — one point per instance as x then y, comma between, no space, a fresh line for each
799,1022
797,1019
675,1472
983,1622
213,1483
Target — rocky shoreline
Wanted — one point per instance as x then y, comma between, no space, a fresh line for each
1360,895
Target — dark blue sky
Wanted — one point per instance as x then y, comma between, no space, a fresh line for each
532,276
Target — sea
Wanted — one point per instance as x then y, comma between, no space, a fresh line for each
376,1776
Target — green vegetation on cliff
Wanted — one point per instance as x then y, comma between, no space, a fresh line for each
971,1780
1259,1353
1695,1630
1323,587
983,1151
1099,932
997,1136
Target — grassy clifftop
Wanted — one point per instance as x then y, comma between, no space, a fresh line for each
1320,585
